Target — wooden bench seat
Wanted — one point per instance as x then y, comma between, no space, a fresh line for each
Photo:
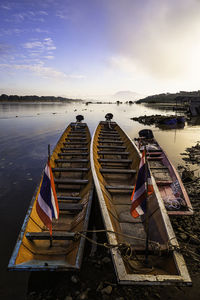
73,160
57,235
120,161
71,135
73,149
70,181
154,153
155,158
73,154
117,171
111,147
72,207
159,168
75,139
120,187
77,130
163,182
103,137
109,135
74,143
103,141
108,130
68,198
70,169
112,153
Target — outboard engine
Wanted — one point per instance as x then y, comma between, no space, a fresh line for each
146,133
108,116
79,118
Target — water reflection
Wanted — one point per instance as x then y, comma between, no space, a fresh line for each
23,152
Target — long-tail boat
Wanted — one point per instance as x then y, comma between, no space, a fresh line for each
74,187
115,162
169,183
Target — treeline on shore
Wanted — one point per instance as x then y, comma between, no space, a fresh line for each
182,96
16,98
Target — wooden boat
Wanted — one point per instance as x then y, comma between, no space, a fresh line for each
172,120
114,163
169,183
74,186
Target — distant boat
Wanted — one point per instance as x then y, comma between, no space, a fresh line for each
74,186
169,183
172,120
114,162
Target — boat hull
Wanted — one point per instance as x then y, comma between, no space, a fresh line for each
114,193
169,183
74,187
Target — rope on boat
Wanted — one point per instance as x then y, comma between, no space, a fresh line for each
126,250
81,233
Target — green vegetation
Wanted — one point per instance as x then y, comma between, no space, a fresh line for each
171,98
16,98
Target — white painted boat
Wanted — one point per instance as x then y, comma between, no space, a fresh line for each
114,163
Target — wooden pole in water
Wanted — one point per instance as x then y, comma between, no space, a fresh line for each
49,154
147,210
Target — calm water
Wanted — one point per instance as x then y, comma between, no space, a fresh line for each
25,132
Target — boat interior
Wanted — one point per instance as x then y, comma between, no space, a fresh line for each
167,178
116,162
73,181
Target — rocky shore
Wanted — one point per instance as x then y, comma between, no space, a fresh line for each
97,279
157,120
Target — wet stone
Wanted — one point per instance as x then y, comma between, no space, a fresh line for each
106,260
68,298
183,236
107,290
74,279
100,287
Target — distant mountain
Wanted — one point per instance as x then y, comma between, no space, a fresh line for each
127,95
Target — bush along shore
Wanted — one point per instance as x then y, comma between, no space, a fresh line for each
97,279
34,98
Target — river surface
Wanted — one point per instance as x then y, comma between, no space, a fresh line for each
26,130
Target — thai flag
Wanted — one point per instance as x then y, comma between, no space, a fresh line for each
47,203
139,194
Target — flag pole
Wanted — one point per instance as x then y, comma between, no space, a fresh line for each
49,154
147,210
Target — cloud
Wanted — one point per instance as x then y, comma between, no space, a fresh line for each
5,6
39,69
49,57
160,38
48,43
19,17
42,12
42,71
40,46
39,30
62,15
4,49
11,31
33,16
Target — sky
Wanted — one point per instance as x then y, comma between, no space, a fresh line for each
92,48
